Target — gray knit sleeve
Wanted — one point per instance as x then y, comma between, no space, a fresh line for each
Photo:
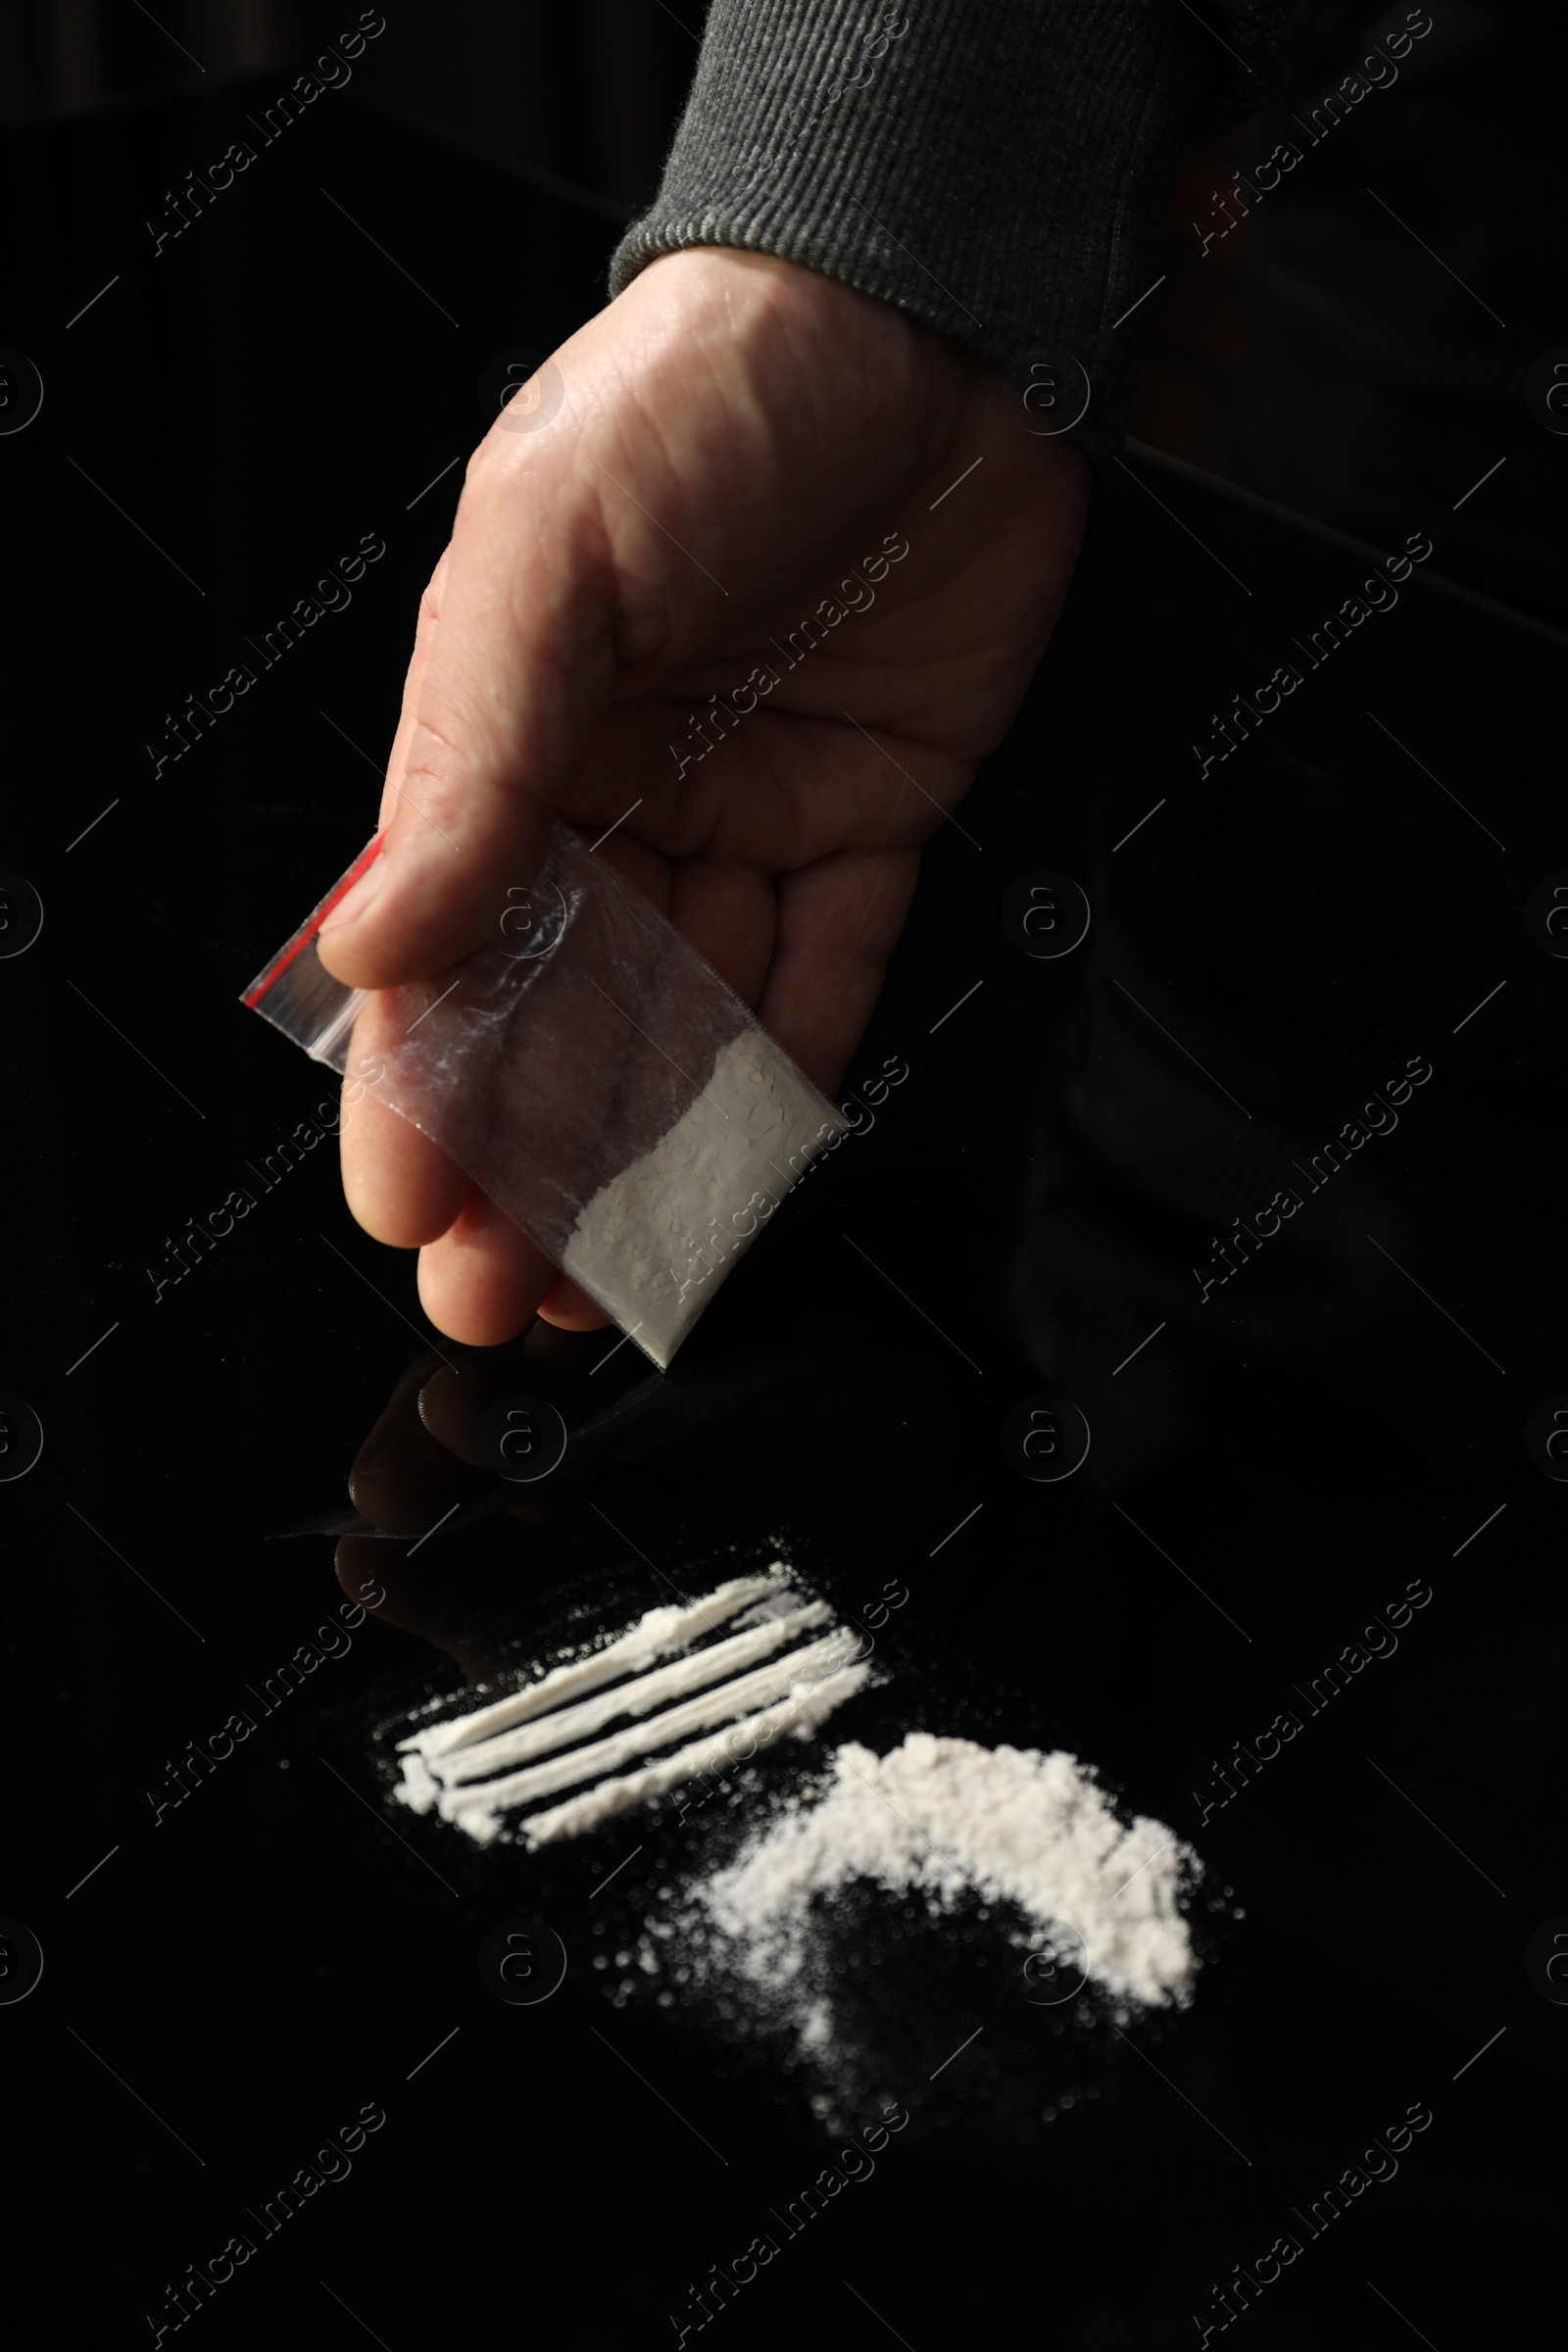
997,168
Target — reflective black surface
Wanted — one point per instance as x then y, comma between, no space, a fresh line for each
247,1953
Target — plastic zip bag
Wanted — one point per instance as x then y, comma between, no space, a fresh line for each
591,1073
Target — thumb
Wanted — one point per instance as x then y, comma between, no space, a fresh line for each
513,663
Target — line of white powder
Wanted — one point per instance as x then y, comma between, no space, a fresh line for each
637,1697
798,1715
655,1634
761,1686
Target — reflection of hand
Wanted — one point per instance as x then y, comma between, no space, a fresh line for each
420,1461
737,434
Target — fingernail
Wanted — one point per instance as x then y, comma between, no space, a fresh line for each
351,906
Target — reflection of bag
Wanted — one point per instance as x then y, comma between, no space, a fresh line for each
593,1076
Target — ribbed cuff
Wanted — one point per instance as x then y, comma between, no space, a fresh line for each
995,168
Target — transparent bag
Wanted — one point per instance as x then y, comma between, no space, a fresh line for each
591,1073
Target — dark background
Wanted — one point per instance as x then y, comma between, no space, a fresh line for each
232,1982
589,92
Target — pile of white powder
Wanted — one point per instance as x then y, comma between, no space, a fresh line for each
654,1245
948,1821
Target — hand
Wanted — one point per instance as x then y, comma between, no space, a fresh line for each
737,435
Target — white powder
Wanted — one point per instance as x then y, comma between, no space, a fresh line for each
654,1242
720,1702
800,1715
947,1819
559,1729
656,1634
760,1688
941,1820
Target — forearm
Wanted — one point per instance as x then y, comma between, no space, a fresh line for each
1000,170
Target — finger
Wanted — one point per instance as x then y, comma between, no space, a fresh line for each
482,1281
729,911
402,1408
517,660
569,1309
358,1561
455,1401
455,1398
646,869
782,790
425,631
402,1478
399,1185
838,923
724,904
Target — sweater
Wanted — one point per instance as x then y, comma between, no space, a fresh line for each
995,168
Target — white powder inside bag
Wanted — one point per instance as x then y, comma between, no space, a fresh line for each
948,1819
653,1243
